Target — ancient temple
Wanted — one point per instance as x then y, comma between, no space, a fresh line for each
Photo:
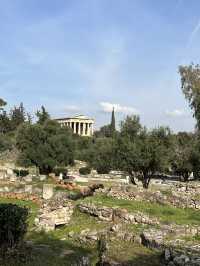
80,124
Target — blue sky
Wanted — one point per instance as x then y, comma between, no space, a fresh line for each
84,56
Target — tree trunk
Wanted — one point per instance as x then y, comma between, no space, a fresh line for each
185,176
132,178
145,180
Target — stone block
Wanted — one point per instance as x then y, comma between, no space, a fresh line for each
13,178
43,177
2,174
28,189
47,191
28,178
10,171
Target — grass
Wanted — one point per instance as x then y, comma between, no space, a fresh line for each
49,249
79,221
133,254
167,214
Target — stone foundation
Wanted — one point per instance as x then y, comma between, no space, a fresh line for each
112,214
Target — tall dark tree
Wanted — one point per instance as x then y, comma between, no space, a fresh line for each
112,124
42,115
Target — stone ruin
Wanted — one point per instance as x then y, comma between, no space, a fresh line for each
54,212
116,214
181,195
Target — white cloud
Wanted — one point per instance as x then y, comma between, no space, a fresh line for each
175,113
108,107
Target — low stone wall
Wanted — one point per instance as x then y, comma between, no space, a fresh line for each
177,258
115,214
55,212
176,199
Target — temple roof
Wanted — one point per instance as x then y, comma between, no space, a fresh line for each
81,117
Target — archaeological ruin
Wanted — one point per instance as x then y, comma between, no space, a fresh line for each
80,124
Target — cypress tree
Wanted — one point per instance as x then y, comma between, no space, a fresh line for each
112,125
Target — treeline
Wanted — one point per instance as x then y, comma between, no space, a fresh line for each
133,149
145,153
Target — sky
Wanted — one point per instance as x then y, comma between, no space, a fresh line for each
86,56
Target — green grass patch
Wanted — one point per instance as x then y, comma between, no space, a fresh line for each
167,214
79,221
132,254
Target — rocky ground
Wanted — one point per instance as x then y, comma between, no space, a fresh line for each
159,226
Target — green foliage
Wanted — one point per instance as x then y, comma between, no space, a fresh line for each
17,116
21,173
85,170
126,157
130,127
112,124
144,153
183,158
5,123
2,103
42,116
12,120
82,147
5,143
190,83
60,170
13,225
45,146
101,155
104,132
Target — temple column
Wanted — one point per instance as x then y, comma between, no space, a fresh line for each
92,129
84,129
74,127
88,130
79,128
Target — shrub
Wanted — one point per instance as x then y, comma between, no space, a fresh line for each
5,143
85,170
103,169
59,170
13,225
21,173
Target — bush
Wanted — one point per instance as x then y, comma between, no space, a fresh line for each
103,170
60,170
21,173
5,143
13,225
85,170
